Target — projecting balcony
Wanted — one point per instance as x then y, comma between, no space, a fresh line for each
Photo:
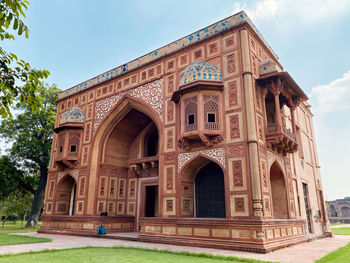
144,167
281,139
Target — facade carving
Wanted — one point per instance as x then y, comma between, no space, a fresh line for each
222,164
151,94
216,154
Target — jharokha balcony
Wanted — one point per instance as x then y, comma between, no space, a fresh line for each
281,139
279,89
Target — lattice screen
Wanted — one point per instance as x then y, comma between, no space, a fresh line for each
60,143
190,108
74,139
211,106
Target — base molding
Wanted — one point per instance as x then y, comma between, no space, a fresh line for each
261,236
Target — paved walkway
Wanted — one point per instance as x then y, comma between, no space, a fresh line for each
302,253
341,226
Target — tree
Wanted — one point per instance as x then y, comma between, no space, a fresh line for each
18,80
16,204
31,133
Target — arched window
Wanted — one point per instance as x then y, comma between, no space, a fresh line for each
151,143
190,114
74,140
211,113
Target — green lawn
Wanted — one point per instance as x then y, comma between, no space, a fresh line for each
116,254
11,227
341,231
336,224
7,239
341,255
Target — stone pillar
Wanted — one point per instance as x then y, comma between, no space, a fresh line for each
251,127
276,90
293,104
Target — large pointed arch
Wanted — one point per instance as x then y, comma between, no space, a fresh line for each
279,193
203,188
117,114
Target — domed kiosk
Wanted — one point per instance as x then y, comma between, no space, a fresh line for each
199,97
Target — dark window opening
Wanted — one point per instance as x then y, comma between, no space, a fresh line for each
191,119
151,143
211,117
270,108
151,202
73,148
210,192
307,207
61,149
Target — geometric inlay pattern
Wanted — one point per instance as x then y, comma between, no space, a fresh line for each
199,70
198,36
217,154
74,114
151,94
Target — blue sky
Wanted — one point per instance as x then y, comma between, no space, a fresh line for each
79,39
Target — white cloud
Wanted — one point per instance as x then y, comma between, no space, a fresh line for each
333,96
308,11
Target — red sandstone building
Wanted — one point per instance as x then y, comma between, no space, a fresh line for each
206,141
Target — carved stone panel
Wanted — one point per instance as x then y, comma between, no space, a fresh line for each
234,127
217,154
237,174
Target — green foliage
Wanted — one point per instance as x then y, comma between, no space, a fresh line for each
341,255
120,255
9,175
16,204
18,80
31,131
11,12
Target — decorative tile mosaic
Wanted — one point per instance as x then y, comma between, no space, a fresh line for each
151,93
74,114
217,154
186,41
199,71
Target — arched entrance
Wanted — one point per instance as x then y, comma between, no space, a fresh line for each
66,196
210,192
131,150
134,132
278,192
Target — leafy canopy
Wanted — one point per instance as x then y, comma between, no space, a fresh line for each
31,131
18,80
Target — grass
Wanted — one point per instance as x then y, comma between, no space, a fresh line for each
336,224
16,227
341,231
341,255
10,227
117,254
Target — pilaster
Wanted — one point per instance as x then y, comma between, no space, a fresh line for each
251,126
